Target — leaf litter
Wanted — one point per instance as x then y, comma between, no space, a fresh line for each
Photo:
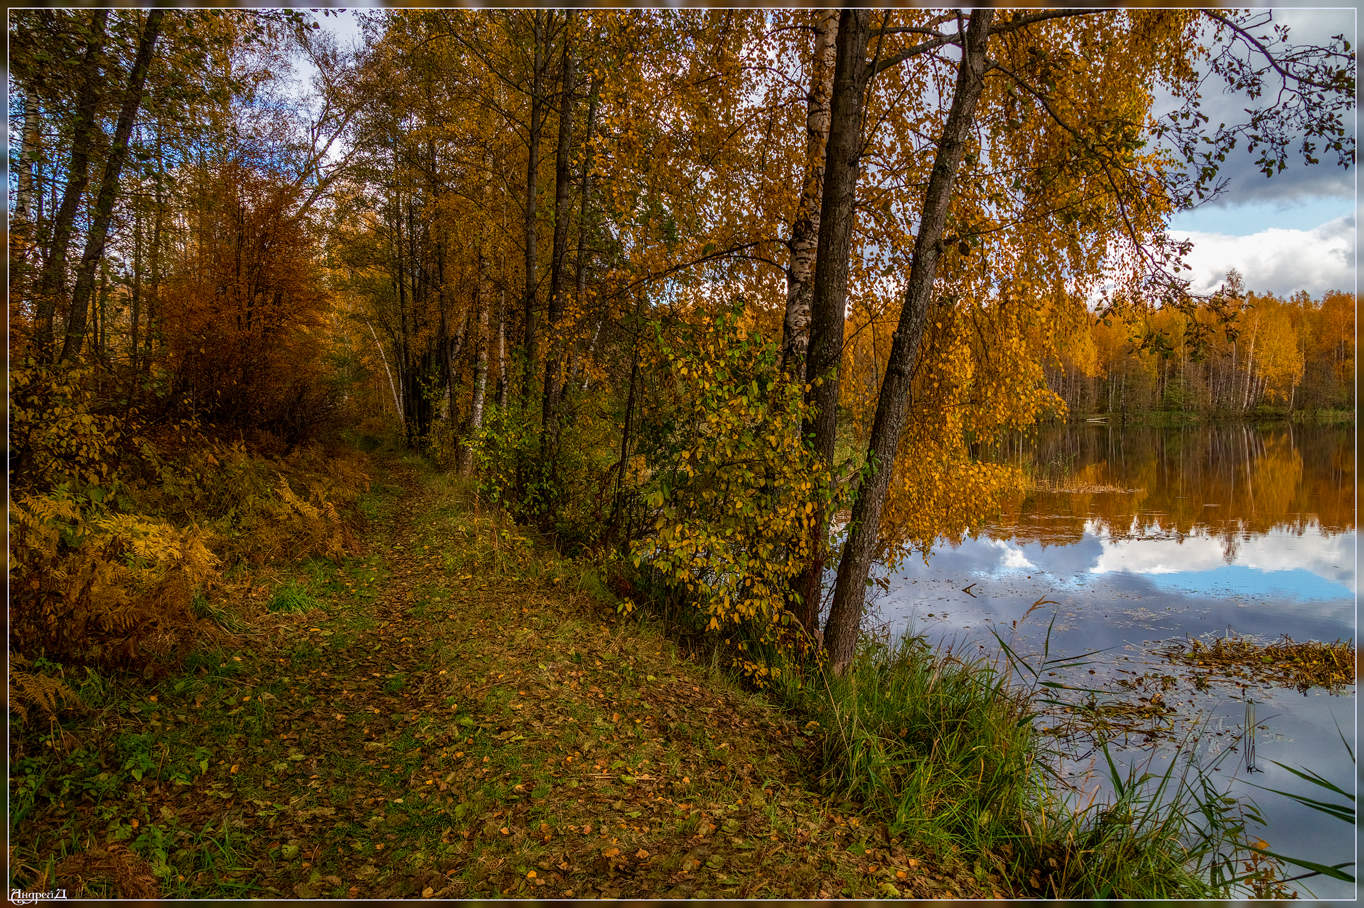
454,721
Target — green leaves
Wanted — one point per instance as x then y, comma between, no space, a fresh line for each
731,485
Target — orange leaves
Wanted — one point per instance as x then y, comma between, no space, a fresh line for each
244,302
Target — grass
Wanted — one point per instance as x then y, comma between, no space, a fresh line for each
945,752
292,597
459,712
939,748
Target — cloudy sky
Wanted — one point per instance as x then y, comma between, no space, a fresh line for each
1296,231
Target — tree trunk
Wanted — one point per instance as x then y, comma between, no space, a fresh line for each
30,154
108,190
397,400
845,616
805,226
549,429
584,194
613,528
158,215
537,125
480,375
52,281
135,292
830,291
501,391
24,227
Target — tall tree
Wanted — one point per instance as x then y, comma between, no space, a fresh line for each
52,281
539,72
805,225
830,292
108,191
845,615
563,165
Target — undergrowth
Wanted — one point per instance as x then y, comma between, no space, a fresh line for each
127,530
945,752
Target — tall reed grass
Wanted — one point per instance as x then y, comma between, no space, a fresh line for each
945,751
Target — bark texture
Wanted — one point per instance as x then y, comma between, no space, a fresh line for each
805,226
845,616
830,291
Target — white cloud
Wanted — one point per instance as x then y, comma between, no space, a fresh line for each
1276,260
1011,556
1331,556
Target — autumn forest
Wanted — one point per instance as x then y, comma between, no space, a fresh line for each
449,451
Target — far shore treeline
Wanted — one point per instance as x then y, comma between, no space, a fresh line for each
1235,354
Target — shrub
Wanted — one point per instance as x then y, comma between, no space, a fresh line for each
726,485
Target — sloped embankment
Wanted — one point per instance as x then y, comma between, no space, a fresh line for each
455,714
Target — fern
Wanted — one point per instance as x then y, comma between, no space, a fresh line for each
28,689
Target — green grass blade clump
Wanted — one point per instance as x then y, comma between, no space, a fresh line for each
938,747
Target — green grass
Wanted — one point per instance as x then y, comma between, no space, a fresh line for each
292,597
944,752
939,748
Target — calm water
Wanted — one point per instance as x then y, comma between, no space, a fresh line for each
1148,537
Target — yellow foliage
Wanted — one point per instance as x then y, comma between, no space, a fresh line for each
56,432
28,688
105,589
729,492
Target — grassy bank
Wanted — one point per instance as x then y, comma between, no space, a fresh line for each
453,711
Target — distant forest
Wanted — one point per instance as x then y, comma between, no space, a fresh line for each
1238,353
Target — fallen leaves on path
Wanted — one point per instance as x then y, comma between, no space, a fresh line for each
462,720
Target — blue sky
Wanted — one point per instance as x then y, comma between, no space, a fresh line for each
1244,218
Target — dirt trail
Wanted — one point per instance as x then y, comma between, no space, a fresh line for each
460,717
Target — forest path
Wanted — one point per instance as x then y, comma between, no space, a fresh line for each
459,715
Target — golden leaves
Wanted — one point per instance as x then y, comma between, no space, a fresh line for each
730,489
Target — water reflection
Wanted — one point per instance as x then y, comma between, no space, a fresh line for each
1134,537
1227,481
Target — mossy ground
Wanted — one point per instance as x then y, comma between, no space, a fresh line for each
458,712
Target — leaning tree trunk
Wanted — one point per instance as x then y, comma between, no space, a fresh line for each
53,278
795,338
845,616
830,291
108,189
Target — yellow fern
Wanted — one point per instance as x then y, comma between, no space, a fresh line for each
28,689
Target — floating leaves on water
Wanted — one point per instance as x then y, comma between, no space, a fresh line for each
1287,662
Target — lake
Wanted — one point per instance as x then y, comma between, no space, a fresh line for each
1130,540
